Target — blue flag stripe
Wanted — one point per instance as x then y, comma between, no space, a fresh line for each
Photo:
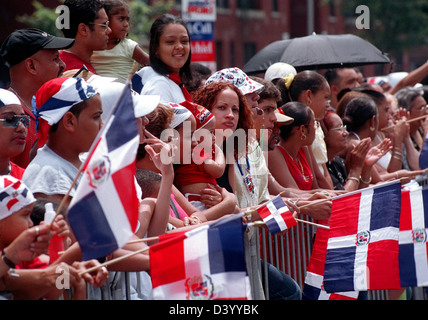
273,226
407,265
118,133
386,199
339,270
425,200
310,292
91,228
226,247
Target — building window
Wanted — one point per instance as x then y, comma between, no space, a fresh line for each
275,6
249,51
219,53
232,54
249,4
222,4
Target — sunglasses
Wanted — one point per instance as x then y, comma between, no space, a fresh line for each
14,121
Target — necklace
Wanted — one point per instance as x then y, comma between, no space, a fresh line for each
298,163
22,100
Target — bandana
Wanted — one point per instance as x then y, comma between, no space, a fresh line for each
54,99
201,114
238,78
177,80
14,195
7,98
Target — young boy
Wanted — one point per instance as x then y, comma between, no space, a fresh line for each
29,277
68,111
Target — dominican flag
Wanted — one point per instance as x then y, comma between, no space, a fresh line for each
413,238
362,249
104,211
207,263
313,288
276,215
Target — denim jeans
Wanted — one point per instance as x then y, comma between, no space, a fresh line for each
281,285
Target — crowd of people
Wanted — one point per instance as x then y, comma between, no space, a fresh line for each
233,142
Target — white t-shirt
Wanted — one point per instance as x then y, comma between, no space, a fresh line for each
157,84
258,171
50,174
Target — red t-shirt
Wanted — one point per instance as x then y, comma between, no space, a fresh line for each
74,62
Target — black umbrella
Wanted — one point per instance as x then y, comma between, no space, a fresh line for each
317,51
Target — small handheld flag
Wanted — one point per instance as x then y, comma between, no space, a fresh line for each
276,215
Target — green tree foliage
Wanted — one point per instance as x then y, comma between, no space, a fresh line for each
142,17
395,25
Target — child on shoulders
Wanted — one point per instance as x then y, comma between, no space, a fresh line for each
121,53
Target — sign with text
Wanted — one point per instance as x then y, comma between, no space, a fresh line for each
198,10
201,30
203,50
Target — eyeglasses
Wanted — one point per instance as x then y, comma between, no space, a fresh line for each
341,128
105,24
14,121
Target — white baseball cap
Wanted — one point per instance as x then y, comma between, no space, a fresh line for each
110,92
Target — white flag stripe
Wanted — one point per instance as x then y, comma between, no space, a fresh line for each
118,222
417,207
196,254
365,210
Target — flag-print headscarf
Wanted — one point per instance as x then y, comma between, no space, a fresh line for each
54,99
14,195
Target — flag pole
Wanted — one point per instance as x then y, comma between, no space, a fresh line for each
143,240
261,223
408,121
109,262
62,203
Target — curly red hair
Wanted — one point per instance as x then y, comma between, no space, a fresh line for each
207,95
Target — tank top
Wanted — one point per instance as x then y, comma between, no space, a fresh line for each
299,169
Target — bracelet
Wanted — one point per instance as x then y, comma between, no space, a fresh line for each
398,158
366,181
354,179
6,260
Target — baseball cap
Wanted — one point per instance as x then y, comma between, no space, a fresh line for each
282,118
237,77
14,195
22,44
279,70
110,91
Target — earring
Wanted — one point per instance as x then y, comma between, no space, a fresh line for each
372,128
303,137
